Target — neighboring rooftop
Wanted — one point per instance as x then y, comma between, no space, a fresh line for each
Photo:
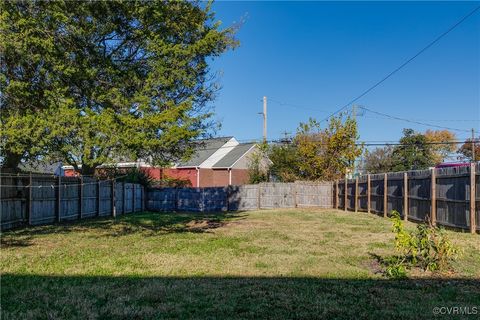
38,166
233,156
206,148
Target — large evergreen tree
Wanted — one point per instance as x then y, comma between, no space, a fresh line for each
91,82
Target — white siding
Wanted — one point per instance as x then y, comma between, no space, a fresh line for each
244,160
220,153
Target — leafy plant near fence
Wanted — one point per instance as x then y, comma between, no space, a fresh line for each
130,175
428,247
136,175
258,166
169,182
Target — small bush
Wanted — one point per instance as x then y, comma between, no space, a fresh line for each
137,176
428,247
395,267
169,182
130,175
435,250
257,165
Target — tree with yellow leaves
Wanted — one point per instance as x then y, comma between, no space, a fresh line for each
443,145
319,153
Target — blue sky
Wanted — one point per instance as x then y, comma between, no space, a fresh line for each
317,56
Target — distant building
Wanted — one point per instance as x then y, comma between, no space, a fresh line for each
452,165
43,167
215,162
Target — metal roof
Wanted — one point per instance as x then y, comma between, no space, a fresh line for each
203,151
233,156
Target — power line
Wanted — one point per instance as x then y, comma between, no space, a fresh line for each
411,121
433,120
367,143
296,106
404,64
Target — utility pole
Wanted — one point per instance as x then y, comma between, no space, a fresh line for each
286,139
473,145
264,119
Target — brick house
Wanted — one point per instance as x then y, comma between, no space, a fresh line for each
216,162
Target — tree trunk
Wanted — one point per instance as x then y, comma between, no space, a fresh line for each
88,170
12,161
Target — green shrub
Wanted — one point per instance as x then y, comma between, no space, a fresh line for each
130,175
169,182
428,247
435,250
395,267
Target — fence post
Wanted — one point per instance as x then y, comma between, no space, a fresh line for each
228,196
368,193
405,196
385,195
144,197
80,198
114,211
433,197
356,194
59,198
336,194
124,198
346,195
473,227
98,197
30,193
295,200
176,198
258,195
133,198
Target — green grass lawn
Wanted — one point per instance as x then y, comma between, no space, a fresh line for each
294,264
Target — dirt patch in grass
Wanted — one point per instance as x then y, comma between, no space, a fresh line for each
204,225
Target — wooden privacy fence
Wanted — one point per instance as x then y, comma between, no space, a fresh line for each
245,197
446,196
45,199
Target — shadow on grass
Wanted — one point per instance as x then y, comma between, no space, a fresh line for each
22,241
145,223
63,297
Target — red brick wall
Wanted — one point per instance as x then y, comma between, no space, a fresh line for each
70,173
208,177
240,176
219,178
155,173
182,174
